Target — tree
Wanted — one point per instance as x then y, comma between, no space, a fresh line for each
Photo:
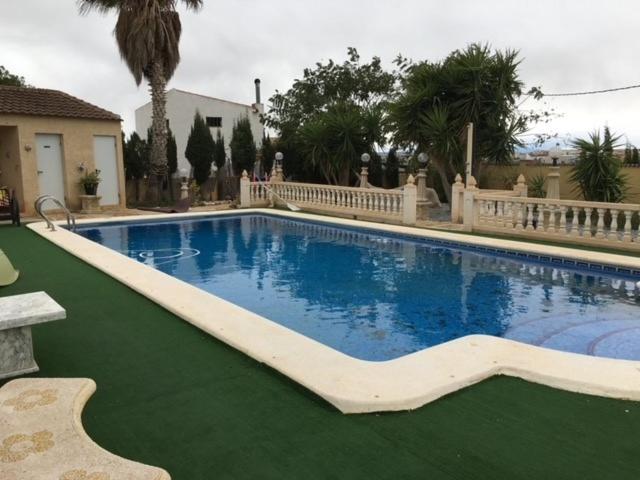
8,78
219,153
200,149
148,37
268,153
635,158
172,160
597,174
438,100
628,154
136,160
172,155
243,147
331,116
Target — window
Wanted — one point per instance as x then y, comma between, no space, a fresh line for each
214,122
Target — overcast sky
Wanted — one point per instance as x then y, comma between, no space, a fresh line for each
566,46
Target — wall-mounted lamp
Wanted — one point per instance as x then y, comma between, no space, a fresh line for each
82,167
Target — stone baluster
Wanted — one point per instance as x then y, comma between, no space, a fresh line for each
626,237
530,217
520,216
600,223
509,221
563,220
586,232
551,227
613,230
575,222
499,218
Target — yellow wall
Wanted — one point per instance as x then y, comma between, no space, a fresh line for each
77,148
10,171
497,177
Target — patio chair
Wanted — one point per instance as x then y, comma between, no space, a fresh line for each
9,207
8,274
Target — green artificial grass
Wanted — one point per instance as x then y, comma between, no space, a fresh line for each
172,396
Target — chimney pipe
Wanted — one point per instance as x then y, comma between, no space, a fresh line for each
257,82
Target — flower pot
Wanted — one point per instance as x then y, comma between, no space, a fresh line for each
90,188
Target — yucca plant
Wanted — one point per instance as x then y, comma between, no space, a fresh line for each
536,187
597,174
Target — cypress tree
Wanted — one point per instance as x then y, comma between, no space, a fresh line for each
243,147
268,153
136,160
172,153
200,147
219,153
635,158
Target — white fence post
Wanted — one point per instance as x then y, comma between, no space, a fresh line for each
457,190
409,202
245,190
469,210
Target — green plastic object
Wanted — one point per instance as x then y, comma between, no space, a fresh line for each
8,274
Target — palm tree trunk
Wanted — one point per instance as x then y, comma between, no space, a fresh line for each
158,167
441,168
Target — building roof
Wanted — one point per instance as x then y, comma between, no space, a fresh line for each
208,97
49,103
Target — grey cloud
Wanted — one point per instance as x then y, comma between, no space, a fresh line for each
566,45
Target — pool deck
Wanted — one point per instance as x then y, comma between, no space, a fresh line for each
170,395
358,386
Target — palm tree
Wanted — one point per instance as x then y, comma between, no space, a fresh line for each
148,36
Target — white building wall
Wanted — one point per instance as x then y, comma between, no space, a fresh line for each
181,108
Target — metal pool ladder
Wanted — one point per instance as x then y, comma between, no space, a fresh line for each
71,219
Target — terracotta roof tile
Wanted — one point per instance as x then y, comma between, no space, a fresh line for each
49,103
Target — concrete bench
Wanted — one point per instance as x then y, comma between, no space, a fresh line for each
41,435
17,314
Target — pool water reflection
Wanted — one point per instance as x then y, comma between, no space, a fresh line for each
378,297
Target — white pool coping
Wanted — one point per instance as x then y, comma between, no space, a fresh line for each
350,384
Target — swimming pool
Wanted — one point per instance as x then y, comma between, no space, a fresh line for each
378,296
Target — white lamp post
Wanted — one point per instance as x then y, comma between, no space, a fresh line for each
553,177
279,159
423,159
365,158
214,180
184,188
402,169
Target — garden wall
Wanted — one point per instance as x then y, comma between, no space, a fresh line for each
504,177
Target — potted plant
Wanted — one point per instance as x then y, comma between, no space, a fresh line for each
90,181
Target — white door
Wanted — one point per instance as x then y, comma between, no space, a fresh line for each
50,170
104,150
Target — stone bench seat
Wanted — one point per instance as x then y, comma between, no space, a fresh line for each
41,435
17,314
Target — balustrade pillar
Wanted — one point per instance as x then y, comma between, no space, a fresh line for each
245,190
410,200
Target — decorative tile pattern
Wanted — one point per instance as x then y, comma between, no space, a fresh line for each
84,475
17,447
29,399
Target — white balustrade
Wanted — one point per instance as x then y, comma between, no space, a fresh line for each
367,202
614,224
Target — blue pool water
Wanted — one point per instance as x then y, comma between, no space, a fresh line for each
377,296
